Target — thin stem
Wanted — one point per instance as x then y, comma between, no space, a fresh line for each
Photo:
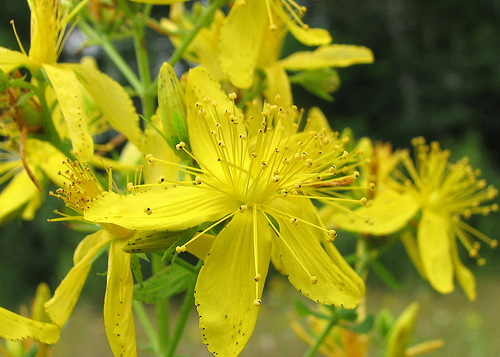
319,340
112,53
149,329
162,313
141,53
186,308
203,21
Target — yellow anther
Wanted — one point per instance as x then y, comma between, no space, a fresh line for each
243,137
332,233
148,210
308,163
494,243
199,105
314,279
284,192
332,169
363,201
294,221
257,302
222,144
257,277
242,208
180,146
371,185
147,157
263,165
130,187
232,96
298,185
345,154
161,179
197,179
481,262
152,161
180,248
355,174
276,178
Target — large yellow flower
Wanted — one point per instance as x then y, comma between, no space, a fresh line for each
49,19
251,183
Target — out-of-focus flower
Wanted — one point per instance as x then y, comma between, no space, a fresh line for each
21,332
250,183
251,39
438,196
49,19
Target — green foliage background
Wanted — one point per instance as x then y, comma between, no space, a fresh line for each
436,74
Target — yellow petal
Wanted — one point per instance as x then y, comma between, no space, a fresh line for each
378,216
308,36
159,2
400,334
16,194
15,327
118,319
435,250
328,56
200,85
464,276
201,246
175,208
69,96
239,40
226,291
308,266
114,102
277,82
61,305
47,157
10,60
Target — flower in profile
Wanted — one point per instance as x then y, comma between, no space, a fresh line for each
253,184
80,189
438,195
70,82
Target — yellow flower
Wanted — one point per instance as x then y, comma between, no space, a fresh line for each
80,190
253,181
377,217
234,47
25,161
37,327
443,194
49,19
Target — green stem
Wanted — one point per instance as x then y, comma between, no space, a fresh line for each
203,21
112,53
141,53
162,313
319,340
149,329
186,308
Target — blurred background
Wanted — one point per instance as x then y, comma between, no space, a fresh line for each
436,74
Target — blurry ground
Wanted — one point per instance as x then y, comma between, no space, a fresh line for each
469,329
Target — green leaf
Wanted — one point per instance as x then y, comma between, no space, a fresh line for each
136,268
169,281
386,276
347,314
363,327
301,308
